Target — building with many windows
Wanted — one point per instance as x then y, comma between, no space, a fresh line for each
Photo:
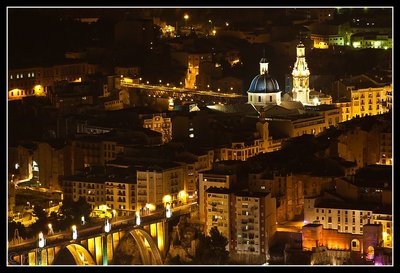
254,223
160,123
361,96
213,178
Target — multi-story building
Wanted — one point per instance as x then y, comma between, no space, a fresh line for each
213,178
293,126
160,123
371,40
366,142
288,191
91,188
253,223
92,151
217,211
348,217
194,61
246,219
385,147
364,96
331,113
243,150
121,195
155,180
115,190
52,161
35,81
194,162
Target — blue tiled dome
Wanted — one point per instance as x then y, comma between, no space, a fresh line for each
263,84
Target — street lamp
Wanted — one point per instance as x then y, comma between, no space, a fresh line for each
41,244
51,231
83,222
107,228
186,17
74,233
168,211
138,218
114,212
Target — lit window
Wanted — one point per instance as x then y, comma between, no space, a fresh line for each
33,74
29,75
11,77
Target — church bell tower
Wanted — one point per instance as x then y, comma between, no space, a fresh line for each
301,74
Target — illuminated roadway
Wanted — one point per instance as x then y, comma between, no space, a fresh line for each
116,223
181,90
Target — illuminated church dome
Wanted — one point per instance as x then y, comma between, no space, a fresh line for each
263,83
264,89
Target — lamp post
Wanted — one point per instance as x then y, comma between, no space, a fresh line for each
74,232
114,212
41,244
168,211
186,17
107,228
51,231
138,218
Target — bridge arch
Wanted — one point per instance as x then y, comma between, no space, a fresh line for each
147,248
80,255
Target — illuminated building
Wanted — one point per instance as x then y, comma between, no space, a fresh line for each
246,219
301,75
254,223
193,70
121,194
92,189
18,94
364,96
348,217
366,247
114,190
322,41
217,211
318,98
160,123
213,178
155,180
245,149
371,40
36,80
264,90
331,113
194,162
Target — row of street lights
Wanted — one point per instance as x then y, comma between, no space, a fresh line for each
42,240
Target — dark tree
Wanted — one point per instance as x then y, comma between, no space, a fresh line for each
211,249
12,227
73,211
41,223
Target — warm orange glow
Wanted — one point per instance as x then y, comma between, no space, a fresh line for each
167,199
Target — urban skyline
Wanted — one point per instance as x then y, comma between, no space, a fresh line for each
200,136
